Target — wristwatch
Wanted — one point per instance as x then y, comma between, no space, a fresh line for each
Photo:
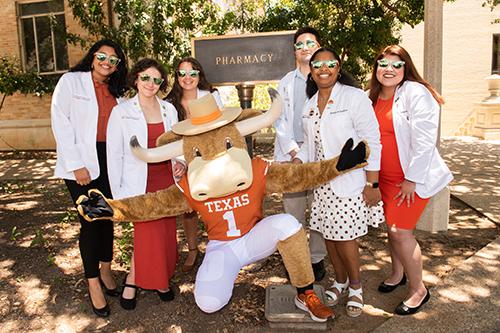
372,185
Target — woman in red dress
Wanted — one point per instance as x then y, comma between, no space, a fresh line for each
145,116
411,170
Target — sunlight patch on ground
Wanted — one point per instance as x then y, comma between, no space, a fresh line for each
374,311
34,295
11,326
276,279
20,205
186,288
5,266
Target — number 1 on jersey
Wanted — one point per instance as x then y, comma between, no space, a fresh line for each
231,224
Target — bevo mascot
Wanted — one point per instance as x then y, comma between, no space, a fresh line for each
226,187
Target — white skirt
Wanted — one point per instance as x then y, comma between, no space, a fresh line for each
342,219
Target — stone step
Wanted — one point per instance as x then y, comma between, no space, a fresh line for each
282,313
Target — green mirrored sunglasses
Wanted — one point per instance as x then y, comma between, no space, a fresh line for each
148,78
316,64
112,60
191,73
300,45
383,63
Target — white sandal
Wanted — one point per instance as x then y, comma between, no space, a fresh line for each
332,299
354,308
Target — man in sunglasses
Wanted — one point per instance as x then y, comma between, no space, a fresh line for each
289,134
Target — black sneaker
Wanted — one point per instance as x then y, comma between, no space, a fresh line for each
319,270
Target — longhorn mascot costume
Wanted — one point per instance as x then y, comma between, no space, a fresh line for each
226,187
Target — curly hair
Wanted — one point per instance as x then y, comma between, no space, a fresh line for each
117,83
143,65
344,77
175,95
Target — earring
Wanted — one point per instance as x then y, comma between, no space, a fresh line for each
339,76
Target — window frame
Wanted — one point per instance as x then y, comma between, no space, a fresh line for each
21,36
495,53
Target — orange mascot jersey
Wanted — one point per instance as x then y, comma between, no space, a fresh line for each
230,217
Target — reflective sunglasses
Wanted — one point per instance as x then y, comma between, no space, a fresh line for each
148,78
300,45
112,60
317,64
191,73
384,63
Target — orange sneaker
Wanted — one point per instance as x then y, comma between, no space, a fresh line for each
311,303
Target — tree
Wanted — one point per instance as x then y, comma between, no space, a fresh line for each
13,79
357,30
157,28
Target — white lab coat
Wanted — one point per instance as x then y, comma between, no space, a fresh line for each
285,140
415,115
128,174
350,115
74,113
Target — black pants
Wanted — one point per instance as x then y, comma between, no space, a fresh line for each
96,238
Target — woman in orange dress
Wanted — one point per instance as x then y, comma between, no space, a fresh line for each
411,170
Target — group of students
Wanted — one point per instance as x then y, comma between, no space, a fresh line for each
399,118
93,123
323,107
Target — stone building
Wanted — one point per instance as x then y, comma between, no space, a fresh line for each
471,52
26,34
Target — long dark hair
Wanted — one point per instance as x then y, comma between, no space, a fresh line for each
410,74
175,95
344,77
117,83
141,66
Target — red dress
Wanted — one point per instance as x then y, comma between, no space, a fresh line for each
391,174
155,242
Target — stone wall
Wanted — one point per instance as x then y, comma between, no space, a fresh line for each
25,119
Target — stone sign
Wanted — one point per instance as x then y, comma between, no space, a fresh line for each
257,58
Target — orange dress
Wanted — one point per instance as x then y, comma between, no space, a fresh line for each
391,174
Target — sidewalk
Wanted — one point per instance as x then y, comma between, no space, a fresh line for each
468,300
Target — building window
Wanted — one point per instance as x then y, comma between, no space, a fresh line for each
495,63
43,29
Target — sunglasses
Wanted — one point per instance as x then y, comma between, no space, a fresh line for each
384,63
147,78
191,73
317,64
300,45
112,60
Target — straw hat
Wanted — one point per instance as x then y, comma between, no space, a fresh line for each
205,116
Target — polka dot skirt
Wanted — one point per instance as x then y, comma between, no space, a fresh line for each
337,218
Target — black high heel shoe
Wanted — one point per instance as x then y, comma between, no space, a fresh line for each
166,296
111,292
387,288
128,303
403,310
102,312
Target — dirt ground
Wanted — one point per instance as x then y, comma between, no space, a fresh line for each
42,288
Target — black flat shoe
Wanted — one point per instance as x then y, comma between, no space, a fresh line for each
102,312
111,292
402,309
166,296
387,288
128,303
319,270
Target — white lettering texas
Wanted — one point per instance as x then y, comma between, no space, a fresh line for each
227,204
